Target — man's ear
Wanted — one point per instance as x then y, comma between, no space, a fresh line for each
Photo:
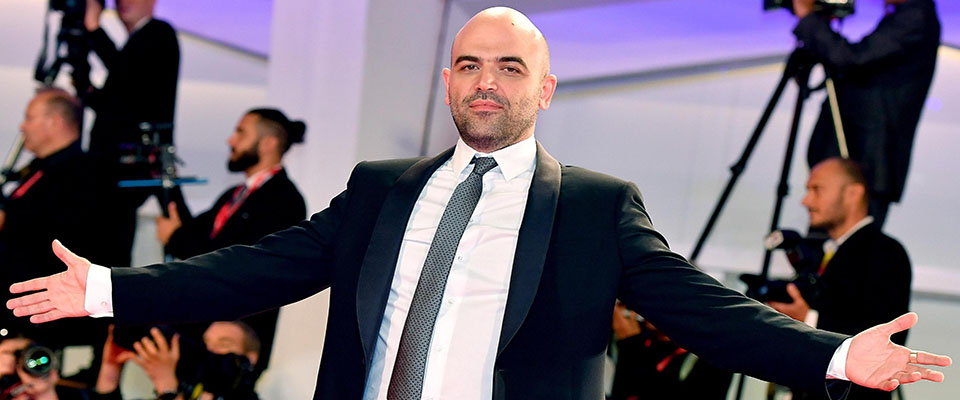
446,85
547,88
268,144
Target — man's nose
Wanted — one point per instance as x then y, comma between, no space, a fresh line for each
487,80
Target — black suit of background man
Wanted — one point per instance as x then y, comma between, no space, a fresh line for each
61,194
866,283
141,86
882,83
275,206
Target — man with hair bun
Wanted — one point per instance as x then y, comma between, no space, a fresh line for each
267,201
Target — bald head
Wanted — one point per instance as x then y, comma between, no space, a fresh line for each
494,24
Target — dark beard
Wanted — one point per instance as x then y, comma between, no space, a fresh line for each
246,160
502,132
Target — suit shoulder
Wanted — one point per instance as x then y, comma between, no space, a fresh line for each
582,177
387,169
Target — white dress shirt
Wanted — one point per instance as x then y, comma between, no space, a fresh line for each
466,336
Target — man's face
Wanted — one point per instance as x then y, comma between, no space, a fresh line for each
132,11
497,82
825,194
224,338
244,144
36,126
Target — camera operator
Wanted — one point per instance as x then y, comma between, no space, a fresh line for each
141,86
864,277
881,83
159,357
60,194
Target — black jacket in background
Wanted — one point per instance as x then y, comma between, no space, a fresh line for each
69,202
275,206
866,283
141,85
882,84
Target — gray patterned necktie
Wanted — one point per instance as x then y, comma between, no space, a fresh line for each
406,382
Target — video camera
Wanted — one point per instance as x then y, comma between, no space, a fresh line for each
804,254
71,47
34,360
830,8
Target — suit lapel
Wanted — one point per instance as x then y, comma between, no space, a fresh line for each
380,259
532,244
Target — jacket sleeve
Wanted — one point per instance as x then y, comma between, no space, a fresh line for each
894,39
718,324
236,281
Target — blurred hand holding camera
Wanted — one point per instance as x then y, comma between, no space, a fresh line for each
159,360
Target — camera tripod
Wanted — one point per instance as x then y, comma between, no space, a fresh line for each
799,65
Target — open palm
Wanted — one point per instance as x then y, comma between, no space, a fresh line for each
59,296
876,362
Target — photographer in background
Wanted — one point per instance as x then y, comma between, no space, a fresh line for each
882,83
141,86
864,277
28,371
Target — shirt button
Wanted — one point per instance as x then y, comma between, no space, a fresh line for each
459,258
103,304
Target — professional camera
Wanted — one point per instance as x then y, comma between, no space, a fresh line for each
804,254
71,47
831,8
36,361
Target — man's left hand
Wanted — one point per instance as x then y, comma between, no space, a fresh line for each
167,226
798,309
876,362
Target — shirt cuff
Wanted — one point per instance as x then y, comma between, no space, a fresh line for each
838,364
98,298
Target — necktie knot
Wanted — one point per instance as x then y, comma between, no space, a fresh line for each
483,165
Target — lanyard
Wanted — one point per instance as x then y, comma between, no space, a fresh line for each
240,194
22,190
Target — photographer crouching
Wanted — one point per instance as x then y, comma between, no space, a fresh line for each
29,371
881,82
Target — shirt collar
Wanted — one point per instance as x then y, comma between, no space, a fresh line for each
833,244
252,180
512,160
143,21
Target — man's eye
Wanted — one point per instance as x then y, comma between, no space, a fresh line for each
512,70
470,67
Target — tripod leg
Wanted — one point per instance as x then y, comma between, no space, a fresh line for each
737,168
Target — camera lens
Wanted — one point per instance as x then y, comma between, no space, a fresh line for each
37,361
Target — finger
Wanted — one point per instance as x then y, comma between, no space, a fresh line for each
52,315
141,352
149,346
172,211
175,346
794,292
924,358
925,373
776,305
33,309
902,323
889,385
28,300
30,286
160,341
125,356
67,256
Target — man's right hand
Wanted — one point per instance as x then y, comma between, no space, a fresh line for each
60,296
91,19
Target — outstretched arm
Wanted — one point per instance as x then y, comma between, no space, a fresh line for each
58,296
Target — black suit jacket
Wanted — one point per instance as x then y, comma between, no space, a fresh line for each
866,283
882,84
141,85
274,206
585,240
69,203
